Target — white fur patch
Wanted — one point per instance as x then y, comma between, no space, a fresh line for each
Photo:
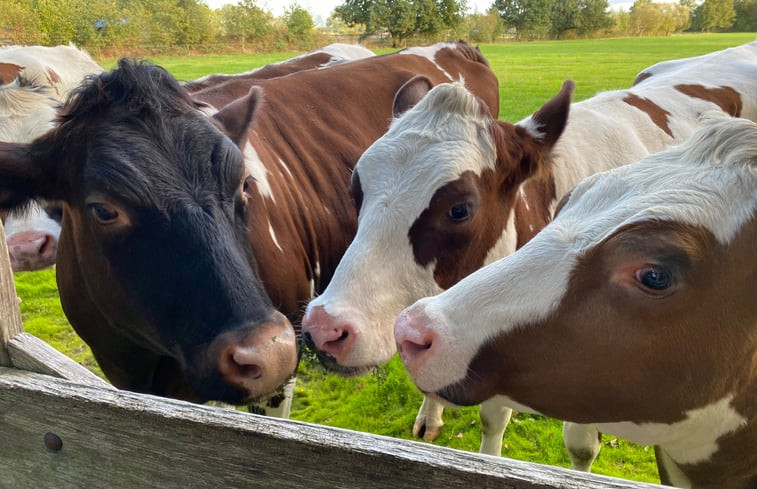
429,52
690,441
259,172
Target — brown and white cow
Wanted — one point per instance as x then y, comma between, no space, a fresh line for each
189,239
34,82
634,309
449,189
320,58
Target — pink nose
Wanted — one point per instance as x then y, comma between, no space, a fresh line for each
327,333
261,360
32,250
415,340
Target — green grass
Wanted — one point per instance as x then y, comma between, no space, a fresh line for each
386,402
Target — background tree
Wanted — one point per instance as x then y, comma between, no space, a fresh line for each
402,19
645,18
563,17
593,16
299,26
18,23
746,15
246,21
713,15
480,28
529,18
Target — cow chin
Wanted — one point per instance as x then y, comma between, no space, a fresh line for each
329,363
461,393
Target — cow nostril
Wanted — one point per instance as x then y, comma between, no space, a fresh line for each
48,245
409,348
251,371
340,339
241,361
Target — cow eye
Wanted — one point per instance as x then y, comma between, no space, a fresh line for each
104,213
654,278
460,212
246,184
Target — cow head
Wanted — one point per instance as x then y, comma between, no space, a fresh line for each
154,267
631,306
435,197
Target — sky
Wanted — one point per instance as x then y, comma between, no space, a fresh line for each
321,9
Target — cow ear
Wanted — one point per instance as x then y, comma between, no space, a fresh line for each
24,176
410,93
236,118
547,124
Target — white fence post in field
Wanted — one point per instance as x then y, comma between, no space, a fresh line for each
10,316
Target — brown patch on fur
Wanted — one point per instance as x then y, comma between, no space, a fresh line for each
460,247
641,77
726,98
658,115
9,72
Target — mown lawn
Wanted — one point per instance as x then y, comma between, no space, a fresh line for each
386,401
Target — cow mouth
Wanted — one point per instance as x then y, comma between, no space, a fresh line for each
329,362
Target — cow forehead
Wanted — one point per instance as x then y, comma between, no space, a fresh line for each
432,144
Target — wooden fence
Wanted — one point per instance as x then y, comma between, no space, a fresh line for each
63,427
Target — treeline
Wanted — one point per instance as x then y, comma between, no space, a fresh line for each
548,19
125,26
151,26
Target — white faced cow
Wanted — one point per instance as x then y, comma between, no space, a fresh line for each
34,81
191,241
449,189
634,309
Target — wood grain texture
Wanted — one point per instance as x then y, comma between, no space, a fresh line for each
118,439
27,352
10,314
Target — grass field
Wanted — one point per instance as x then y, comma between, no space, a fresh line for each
386,401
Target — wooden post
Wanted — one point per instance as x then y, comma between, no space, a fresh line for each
10,314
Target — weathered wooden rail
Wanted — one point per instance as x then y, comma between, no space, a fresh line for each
63,427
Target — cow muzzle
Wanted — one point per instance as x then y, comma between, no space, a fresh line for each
258,360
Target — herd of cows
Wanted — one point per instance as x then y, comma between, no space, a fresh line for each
366,205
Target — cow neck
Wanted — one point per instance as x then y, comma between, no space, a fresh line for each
734,465
302,224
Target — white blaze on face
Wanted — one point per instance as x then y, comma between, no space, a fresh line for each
709,181
429,146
